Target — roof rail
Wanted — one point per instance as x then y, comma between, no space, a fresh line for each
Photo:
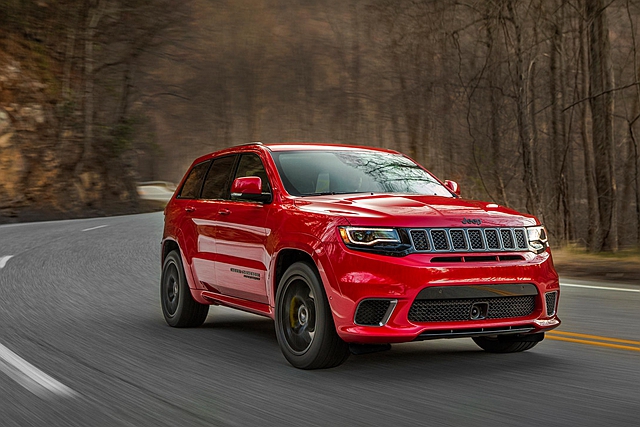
249,143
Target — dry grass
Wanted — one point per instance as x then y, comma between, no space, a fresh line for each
623,266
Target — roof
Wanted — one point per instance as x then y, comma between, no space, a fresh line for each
301,146
291,146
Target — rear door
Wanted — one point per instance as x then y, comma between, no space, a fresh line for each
205,220
184,206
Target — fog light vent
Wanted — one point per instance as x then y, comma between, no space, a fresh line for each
374,312
550,299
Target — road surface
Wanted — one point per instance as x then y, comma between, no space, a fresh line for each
83,343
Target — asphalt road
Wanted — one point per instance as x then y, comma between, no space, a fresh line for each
83,343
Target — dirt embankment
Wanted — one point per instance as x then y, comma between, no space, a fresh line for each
623,267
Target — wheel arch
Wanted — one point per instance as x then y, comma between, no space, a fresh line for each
286,258
170,244
290,254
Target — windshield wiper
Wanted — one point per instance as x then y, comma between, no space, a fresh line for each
333,193
324,193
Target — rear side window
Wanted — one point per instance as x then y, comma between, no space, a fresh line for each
216,185
193,183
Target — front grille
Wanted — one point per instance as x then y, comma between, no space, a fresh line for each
458,239
520,238
468,239
492,239
420,240
475,238
550,299
456,310
440,241
371,312
507,239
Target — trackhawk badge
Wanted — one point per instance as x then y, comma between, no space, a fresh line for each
471,221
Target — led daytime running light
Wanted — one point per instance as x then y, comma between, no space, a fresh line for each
537,238
368,236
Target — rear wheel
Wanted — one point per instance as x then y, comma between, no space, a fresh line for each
179,308
508,343
304,325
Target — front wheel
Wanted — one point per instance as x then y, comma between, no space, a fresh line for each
304,324
508,344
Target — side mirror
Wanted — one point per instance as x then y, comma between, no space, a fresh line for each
453,186
249,188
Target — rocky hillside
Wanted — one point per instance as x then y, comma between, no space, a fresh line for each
38,158
29,161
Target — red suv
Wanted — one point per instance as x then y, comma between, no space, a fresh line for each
350,249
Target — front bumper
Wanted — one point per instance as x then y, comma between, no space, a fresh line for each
357,276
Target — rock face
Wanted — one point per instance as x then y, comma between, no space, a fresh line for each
38,159
27,161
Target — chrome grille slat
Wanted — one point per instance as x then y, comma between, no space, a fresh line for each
507,238
420,240
440,240
458,239
521,239
477,239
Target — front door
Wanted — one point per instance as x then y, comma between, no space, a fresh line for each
241,238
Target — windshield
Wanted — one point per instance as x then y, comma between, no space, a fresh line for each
312,173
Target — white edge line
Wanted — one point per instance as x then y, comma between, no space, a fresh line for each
30,377
4,259
95,228
604,288
64,221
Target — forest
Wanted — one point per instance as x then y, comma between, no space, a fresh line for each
533,104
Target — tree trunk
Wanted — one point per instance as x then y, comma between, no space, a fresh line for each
587,146
601,81
95,11
524,115
633,142
560,145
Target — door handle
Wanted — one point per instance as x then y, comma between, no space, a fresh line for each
224,212
189,209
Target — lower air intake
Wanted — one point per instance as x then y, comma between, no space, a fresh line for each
454,310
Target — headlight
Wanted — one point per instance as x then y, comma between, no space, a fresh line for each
537,237
368,236
382,241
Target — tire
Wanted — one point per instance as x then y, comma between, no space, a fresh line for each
179,308
304,324
508,344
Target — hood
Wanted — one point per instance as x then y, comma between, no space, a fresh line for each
392,210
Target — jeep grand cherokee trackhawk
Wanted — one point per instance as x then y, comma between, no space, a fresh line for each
345,247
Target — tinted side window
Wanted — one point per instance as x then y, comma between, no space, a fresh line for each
216,185
193,183
251,165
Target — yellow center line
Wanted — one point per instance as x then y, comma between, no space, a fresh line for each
594,337
594,340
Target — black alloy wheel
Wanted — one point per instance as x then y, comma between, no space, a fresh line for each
179,308
304,323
